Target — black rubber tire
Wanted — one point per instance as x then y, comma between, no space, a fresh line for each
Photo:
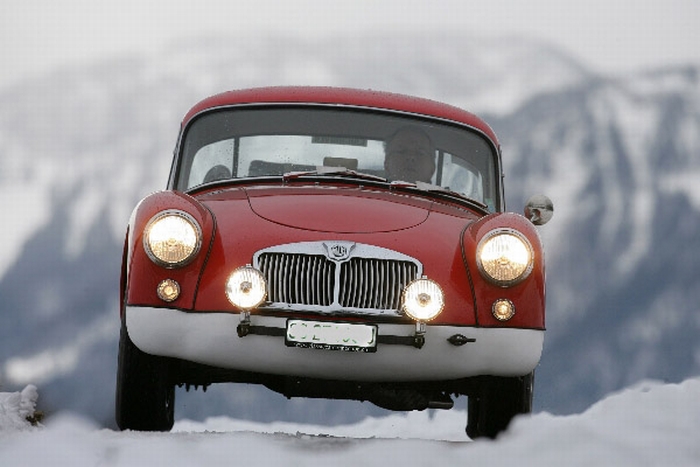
145,397
496,402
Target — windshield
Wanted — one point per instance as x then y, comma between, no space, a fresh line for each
240,143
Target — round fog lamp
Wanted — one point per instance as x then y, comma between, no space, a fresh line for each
503,309
168,290
423,299
246,288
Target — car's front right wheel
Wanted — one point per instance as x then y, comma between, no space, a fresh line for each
495,403
145,397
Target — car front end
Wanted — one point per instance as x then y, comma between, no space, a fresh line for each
283,253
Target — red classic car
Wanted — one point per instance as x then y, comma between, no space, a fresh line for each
333,243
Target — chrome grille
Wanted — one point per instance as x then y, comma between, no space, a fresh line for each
298,279
374,283
368,280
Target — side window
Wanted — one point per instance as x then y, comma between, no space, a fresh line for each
461,176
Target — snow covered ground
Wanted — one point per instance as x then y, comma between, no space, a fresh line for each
649,424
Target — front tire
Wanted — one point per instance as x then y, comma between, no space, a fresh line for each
496,401
145,398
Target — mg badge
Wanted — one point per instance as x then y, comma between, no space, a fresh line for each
338,251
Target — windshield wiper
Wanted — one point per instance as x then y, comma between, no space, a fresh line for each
332,171
348,173
430,188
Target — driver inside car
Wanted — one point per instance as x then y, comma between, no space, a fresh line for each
409,156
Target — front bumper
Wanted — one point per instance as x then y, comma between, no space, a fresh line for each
212,339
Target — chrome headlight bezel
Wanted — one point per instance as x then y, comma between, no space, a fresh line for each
187,236
516,259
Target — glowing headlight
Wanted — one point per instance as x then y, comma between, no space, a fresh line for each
246,288
172,238
423,299
505,257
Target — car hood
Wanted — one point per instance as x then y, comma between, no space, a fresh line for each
332,209
338,210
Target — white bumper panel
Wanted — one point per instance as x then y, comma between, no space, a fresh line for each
211,338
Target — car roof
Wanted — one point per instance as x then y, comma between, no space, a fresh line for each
342,96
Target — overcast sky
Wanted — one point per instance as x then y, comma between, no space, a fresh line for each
609,35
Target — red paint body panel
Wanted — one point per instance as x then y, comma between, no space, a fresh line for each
528,296
437,237
238,221
144,274
338,210
435,241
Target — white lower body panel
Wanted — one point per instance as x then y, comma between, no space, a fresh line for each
211,339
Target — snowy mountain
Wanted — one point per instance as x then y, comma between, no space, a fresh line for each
619,157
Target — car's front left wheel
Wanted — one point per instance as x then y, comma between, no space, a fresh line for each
145,397
495,403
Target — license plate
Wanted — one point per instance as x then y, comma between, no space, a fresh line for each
331,336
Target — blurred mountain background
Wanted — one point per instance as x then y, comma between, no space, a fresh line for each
619,156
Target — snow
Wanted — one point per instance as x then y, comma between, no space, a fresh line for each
16,407
648,424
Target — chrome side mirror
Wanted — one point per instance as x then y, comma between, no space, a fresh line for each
539,209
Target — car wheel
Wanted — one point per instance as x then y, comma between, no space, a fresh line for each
145,398
495,403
